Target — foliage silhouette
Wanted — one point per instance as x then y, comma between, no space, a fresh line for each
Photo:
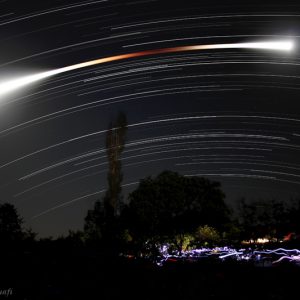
10,223
172,205
270,219
102,222
115,143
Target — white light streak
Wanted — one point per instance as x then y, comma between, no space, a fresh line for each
78,199
16,84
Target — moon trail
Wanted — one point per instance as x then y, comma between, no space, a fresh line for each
15,84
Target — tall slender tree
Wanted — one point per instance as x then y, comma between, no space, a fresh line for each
115,143
100,221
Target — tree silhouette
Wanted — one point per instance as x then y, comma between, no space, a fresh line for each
102,221
10,223
266,219
172,205
94,222
115,142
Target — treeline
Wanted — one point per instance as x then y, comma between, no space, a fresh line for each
191,212
166,209
274,220
169,208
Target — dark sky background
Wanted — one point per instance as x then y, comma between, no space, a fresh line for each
230,115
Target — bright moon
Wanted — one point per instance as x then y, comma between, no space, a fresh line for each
15,84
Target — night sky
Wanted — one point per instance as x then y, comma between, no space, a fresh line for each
232,115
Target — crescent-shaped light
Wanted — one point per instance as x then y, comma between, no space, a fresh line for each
18,83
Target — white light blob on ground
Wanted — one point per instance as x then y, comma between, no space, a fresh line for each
259,258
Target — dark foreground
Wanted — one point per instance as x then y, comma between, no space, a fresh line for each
88,275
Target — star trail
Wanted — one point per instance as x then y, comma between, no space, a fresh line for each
204,91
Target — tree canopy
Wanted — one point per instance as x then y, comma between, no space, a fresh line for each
10,223
171,204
